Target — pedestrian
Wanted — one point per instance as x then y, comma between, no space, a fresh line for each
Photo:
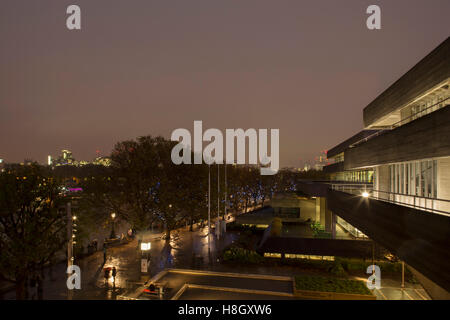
114,273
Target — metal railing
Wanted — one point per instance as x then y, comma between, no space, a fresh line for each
432,205
399,123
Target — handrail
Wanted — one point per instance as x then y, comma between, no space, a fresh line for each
370,194
395,125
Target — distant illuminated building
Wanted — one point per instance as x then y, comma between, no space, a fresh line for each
321,160
65,158
49,160
103,161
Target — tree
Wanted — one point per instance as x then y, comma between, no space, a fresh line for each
101,196
32,229
138,166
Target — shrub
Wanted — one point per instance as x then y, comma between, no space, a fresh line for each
337,269
324,284
277,225
242,255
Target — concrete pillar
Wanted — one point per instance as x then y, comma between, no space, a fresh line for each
323,208
317,219
382,181
333,225
328,221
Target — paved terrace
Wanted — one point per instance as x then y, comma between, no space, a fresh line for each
195,284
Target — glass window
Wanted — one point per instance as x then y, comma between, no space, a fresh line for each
417,173
407,178
434,179
402,178
429,176
422,177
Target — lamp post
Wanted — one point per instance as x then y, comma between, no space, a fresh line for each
145,249
209,210
225,196
113,233
71,222
218,202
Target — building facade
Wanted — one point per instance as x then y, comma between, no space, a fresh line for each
400,165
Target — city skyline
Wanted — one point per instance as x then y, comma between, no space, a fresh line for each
122,76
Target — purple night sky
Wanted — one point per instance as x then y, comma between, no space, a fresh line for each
149,67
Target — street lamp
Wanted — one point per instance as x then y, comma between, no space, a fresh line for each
145,248
113,234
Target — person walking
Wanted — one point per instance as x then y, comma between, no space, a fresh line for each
114,273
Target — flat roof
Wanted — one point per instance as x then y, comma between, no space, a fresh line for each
428,73
180,284
353,139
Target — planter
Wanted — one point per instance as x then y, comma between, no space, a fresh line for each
325,295
320,295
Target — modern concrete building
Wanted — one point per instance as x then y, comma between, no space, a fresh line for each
392,180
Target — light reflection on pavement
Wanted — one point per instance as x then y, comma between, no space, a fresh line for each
176,253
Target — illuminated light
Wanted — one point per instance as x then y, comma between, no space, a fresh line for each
74,217
146,246
113,215
365,194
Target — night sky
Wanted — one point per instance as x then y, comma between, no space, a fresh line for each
144,67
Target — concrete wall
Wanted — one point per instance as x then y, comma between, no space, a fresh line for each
419,238
308,209
285,200
328,221
429,72
424,138
436,292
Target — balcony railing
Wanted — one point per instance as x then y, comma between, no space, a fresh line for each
401,122
434,205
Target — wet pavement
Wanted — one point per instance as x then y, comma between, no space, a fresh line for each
185,250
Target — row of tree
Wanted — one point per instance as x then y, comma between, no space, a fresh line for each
142,186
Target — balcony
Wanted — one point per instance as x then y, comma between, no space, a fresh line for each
432,205
423,138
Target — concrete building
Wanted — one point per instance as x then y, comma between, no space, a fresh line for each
399,169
